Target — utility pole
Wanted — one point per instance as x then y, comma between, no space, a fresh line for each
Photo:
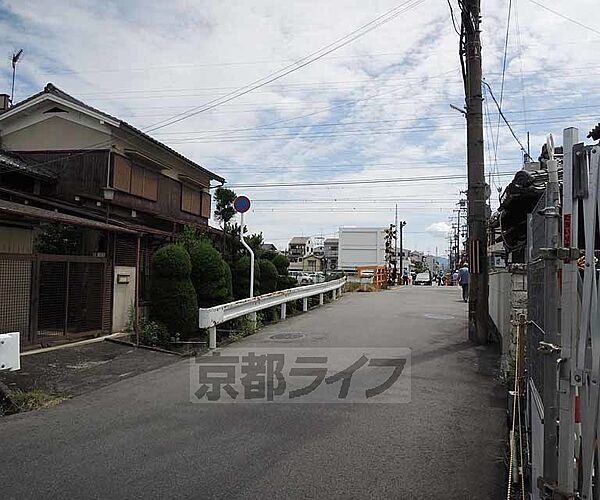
399,227
470,53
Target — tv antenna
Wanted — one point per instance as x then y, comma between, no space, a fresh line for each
15,59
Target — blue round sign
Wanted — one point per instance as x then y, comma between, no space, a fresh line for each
241,204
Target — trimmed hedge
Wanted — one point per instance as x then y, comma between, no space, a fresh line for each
268,276
173,298
211,275
241,278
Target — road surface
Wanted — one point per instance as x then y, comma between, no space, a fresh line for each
141,437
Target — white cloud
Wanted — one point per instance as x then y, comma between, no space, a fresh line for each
387,94
439,229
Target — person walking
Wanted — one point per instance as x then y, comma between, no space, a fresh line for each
463,279
405,277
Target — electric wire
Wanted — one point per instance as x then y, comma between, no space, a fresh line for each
574,21
505,120
503,73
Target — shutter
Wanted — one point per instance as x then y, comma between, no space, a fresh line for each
190,200
150,185
137,181
121,173
205,205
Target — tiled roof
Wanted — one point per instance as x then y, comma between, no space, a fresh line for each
14,162
52,89
299,240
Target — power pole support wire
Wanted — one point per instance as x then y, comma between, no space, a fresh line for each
476,213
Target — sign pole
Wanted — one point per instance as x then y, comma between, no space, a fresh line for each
247,247
242,205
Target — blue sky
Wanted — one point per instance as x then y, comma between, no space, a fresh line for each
377,108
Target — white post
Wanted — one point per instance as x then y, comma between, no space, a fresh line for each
212,337
305,304
247,247
283,310
321,298
333,294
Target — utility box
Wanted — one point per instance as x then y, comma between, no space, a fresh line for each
361,246
10,352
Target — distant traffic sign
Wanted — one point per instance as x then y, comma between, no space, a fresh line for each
241,204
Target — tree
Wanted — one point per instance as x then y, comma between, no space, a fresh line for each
241,278
268,276
59,239
282,263
224,210
254,242
210,275
173,298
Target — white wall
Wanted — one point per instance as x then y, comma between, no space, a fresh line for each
361,247
123,297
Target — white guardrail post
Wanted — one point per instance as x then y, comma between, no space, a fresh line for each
211,317
10,352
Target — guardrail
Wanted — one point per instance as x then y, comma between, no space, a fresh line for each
210,317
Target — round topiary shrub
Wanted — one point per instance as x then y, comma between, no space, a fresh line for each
211,275
268,276
173,298
241,278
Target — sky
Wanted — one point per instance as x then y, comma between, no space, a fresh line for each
377,108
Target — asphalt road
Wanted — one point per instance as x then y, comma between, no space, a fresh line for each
141,437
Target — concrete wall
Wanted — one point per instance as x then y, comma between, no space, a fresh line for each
123,297
507,299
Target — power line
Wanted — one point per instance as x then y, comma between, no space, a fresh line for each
505,120
503,73
452,17
301,63
574,21
358,181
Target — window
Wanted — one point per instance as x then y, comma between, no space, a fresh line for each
134,179
191,200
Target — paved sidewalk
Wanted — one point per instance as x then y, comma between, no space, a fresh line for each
74,370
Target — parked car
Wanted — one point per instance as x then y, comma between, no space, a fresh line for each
423,278
319,277
305,279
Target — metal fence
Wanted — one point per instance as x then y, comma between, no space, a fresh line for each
536,268
54,297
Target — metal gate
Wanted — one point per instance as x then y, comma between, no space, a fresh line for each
55,297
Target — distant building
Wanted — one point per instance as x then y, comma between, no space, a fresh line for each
331,249
296,251
314,245
312,263
268,247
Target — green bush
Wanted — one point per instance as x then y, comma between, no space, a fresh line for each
268,276
229,280
210,275
173,298
241,278
281,263
285,282
171,261
154,334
